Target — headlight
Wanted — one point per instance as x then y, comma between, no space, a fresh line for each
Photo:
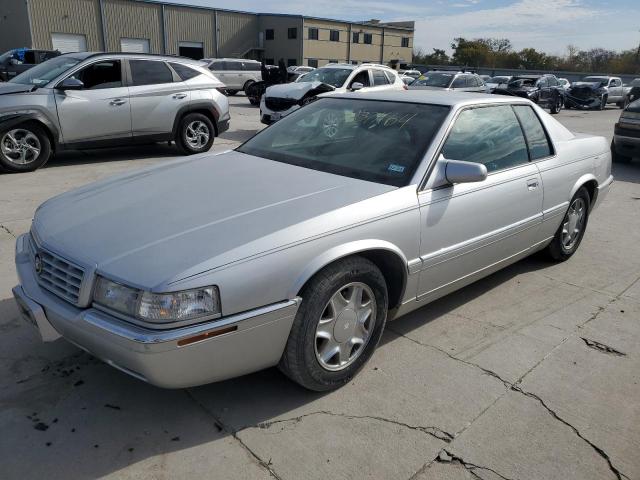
157,307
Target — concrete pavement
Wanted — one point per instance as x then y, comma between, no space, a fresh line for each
532,373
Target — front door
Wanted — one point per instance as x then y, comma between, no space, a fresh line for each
98,111
471,229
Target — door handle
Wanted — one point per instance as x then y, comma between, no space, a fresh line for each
532,184
180,96
117,102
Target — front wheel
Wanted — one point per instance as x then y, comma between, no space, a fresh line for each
24,148
570,233
231,93
196,134
338,325
603,102
557,106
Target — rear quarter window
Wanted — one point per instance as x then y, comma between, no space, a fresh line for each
184,72
537,140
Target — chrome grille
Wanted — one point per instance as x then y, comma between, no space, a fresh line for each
59,276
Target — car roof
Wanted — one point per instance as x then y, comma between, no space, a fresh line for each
166,58
432,97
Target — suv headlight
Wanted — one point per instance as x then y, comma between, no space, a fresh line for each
157,307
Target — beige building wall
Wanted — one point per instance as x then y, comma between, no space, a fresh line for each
323,50
237,33
80,17
362,52
393,49
189,25
125,19
282,46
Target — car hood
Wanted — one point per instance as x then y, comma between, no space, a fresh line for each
150,227
296,90
591,85
7,88
425,87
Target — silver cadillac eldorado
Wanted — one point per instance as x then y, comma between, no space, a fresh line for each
297,247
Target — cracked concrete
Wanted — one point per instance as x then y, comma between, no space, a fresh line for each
531,373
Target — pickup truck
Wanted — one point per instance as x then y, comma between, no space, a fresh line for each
596,92
16,61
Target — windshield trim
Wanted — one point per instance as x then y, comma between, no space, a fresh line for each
421,154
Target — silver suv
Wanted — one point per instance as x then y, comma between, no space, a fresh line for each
91,100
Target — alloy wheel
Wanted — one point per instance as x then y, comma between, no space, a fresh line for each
345,326
197,134
20,146
573,224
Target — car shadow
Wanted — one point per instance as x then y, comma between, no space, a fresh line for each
627,172
115,154
100,420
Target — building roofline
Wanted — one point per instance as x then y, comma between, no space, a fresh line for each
262,14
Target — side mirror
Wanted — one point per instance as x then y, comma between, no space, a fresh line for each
70,84
457,171
355,86
14,61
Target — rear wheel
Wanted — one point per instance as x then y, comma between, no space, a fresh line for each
338,325
24,148
196,134
570,233
247,85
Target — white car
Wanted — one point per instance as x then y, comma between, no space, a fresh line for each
495,82
280,100
410,73
237,74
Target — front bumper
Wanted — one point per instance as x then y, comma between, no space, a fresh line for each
582,103
268,116
224,348
603,191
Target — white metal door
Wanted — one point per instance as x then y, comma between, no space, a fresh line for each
134,45
68,42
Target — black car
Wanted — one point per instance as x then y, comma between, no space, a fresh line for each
545,90
626,136
18,60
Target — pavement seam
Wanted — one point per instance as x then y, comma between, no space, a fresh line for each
234,433
6,229
433,431
515,387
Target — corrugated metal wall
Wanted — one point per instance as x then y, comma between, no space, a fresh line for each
66,16
237,33
132,20
190,25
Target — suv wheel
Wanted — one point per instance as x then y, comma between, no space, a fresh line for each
557,105
196,134
247,85
24,148
338,325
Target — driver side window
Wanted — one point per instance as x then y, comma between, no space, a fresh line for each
488,135
100,75
362,77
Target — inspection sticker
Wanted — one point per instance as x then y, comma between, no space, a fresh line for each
394,167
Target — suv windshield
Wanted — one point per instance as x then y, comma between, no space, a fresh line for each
371,140
435,80
45,72
331,76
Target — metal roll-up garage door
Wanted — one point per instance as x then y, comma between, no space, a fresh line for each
134,45
69,42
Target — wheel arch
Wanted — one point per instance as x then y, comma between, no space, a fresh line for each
590,182
386,256
33,118
203,108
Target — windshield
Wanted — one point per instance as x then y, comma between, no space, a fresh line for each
6,56
435,80
499,80
331,76
45,72
375,141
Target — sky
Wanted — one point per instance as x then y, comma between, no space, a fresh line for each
547,25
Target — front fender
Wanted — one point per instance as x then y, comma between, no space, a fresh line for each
11,120
341,251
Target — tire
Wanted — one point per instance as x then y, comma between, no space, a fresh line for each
18,146
562,247
603,102
195,134
254,101
247,85
231,93
307,358
616,157
624,103
557,106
